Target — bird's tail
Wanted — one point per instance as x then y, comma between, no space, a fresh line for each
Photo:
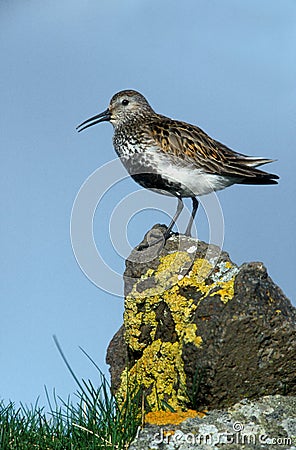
260,178
245,168
252,175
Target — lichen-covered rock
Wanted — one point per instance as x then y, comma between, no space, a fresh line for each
267,423
199,331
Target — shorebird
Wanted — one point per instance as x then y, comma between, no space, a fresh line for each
174,157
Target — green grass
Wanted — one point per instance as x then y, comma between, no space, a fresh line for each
194,392
95,421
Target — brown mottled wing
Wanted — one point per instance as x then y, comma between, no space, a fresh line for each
192,144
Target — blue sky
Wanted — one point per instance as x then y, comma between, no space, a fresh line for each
228,66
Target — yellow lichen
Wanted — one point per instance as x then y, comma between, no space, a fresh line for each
148,273
226,290
160,368
200,271
189,335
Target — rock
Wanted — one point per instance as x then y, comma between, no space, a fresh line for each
199,331
269,422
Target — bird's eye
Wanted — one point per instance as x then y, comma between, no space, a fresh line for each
125,102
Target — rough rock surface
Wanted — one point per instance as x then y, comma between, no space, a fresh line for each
200,331
268,423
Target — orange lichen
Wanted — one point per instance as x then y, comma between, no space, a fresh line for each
171,418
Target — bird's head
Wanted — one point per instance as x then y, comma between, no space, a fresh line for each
125,106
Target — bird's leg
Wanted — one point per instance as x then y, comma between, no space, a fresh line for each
180,206
193,213
166,235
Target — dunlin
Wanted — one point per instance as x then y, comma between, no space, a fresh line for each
174,157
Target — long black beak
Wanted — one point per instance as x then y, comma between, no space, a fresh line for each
94,120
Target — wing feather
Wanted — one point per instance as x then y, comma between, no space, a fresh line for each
193,145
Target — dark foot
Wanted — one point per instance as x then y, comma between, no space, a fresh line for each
154,237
